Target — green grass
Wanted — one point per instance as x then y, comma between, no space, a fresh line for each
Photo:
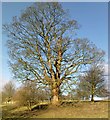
66,110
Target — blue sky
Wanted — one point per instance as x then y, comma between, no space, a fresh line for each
92,16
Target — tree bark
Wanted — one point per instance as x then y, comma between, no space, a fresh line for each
55,96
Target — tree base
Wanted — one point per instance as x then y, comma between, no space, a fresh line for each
55,101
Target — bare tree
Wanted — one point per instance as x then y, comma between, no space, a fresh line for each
8,91
93,83
28,95
42,45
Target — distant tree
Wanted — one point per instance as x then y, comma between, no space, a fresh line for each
42,44
92,83
28,94
82,91
8,91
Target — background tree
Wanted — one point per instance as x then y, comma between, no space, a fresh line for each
8,91
42,45
28,95
92,83
82,91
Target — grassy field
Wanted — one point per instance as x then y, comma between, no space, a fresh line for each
66,110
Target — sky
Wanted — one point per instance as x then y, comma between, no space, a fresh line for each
92,17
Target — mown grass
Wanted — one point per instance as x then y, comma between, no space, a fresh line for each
66,110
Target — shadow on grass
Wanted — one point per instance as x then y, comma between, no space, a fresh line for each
40,107
12,112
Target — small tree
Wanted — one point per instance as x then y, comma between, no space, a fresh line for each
8,91
92,83
28,94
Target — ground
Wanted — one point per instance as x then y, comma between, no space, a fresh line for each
66,110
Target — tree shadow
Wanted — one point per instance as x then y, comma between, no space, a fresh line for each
40,107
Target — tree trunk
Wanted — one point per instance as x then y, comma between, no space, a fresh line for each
92,93
55,96
92,98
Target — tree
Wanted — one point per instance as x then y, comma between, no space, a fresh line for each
92,83
8,91
42,45
28,94
82,91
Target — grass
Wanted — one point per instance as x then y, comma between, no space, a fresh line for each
66,110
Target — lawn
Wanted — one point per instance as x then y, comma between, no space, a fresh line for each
66,110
